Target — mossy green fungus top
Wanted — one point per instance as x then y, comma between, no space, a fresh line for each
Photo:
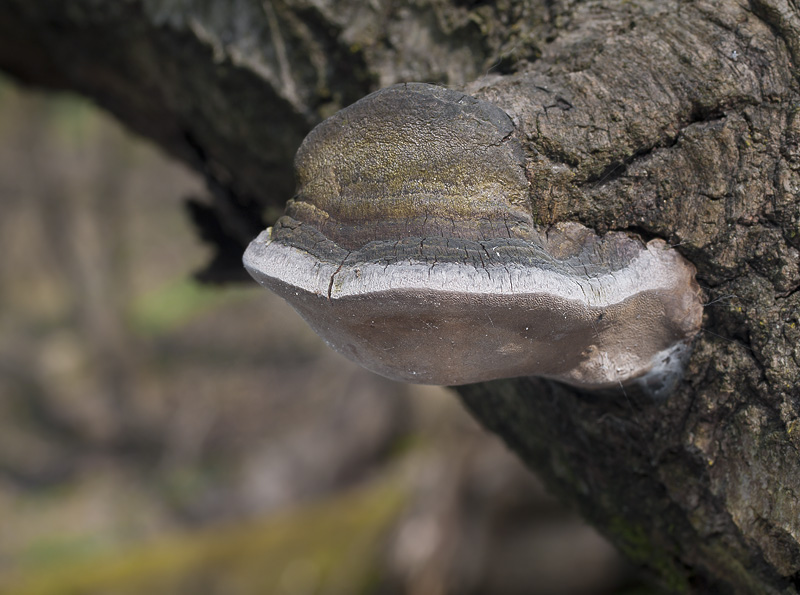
447,167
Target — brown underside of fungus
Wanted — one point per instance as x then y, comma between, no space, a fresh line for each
410,248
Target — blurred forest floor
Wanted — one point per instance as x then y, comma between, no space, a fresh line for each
159,436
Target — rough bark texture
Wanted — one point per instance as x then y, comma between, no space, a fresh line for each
678,120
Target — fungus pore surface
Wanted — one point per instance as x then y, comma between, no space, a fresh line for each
410,247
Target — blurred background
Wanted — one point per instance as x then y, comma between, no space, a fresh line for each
161,436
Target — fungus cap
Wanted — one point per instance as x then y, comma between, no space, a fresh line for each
411,248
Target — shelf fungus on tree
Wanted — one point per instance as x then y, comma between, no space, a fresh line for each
411,248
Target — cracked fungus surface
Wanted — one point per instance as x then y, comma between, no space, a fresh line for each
410,247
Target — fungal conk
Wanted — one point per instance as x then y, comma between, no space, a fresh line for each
411,248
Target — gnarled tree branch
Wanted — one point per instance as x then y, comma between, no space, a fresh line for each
670,119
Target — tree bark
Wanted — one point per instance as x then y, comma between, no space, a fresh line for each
670,119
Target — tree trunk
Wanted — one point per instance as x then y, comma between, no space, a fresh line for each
678,120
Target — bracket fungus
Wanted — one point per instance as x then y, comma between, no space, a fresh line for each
411,248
